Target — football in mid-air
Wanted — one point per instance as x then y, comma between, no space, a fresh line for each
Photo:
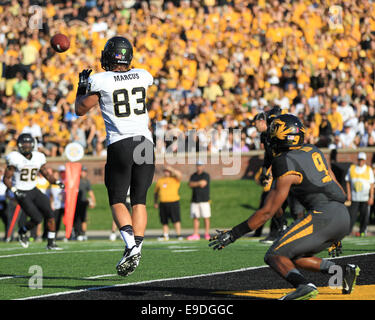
60,42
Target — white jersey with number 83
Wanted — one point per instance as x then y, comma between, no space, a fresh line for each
123,102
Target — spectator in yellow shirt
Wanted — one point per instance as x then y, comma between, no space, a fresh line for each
212,91
167,199
335,118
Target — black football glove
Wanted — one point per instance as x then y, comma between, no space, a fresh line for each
264,177
83,81
60,184
20,195
221,239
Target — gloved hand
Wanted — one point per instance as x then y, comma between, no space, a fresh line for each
264,177
83,81
60,184
20,195
221,239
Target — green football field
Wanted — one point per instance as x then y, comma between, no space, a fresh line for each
231,201
86,265
89,266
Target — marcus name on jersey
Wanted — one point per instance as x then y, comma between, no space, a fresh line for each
122,77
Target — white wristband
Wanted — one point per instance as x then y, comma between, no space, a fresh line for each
13,189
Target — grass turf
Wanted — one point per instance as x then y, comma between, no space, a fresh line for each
90,264
232,201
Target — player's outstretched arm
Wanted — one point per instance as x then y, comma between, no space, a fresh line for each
84,101
273,202
51,179
8,174
84,104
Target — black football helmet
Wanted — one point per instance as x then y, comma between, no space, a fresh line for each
261,116
117,50
286,133
273,113
268,115
25,143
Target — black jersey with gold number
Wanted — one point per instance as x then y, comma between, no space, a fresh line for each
316,186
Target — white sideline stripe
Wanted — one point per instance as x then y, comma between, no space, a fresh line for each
166,279
80,251
76,251
100,276
12,277
57,252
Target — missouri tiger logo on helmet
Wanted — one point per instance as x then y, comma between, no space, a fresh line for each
286,133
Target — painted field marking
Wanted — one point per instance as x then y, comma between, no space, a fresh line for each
166,279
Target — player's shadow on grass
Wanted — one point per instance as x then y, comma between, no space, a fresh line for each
165,293
248,206
111,280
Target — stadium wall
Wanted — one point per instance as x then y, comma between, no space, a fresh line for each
219,166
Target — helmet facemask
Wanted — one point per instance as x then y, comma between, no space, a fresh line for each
286,133
25,144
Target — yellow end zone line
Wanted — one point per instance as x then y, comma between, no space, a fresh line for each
364,292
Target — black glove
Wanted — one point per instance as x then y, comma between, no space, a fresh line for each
20,195
60,184
221,239
264,177
83,81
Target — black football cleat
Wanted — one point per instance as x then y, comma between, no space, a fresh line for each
53,246
351,273
303,292
129,262
23,240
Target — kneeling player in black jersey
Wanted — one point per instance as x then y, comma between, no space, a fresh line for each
301,170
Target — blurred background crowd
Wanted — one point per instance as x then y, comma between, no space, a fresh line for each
216,64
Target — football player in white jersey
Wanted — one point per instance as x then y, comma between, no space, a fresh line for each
20,177
120,92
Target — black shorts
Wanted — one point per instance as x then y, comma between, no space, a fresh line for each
314,233
36,205
130,163
169,210
81,210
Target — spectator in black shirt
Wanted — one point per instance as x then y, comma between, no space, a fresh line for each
200,203
325,132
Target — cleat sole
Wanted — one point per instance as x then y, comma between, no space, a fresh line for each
128,266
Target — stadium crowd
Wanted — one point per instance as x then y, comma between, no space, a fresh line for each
216,64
